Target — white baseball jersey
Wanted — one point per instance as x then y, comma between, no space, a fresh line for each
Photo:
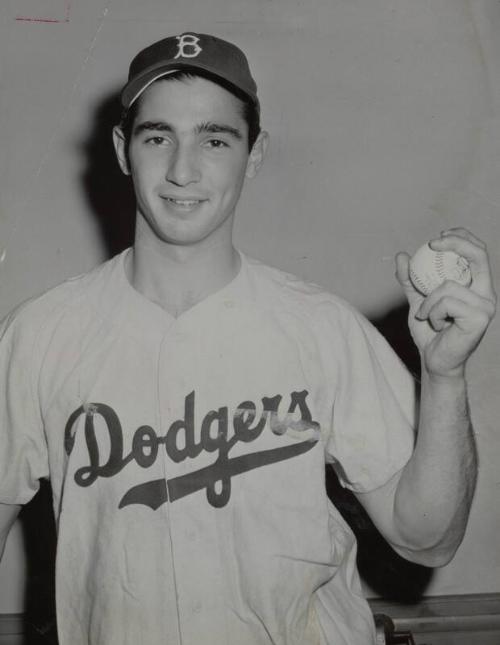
187,456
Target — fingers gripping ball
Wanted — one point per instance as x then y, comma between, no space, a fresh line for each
429,269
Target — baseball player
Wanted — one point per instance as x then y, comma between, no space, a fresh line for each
183,400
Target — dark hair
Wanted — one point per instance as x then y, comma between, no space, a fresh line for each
249,111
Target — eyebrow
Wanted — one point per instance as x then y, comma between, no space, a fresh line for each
209,126
216,128
157,126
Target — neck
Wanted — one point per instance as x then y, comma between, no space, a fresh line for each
178,277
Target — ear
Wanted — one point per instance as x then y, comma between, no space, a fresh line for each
257,154
121,149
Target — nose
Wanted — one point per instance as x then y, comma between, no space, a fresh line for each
183,168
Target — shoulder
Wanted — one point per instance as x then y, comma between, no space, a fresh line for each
285,291
318,316
35,314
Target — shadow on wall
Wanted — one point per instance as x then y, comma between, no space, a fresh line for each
107,191
110,198
39,532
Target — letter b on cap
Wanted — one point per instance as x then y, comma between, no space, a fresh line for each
188,46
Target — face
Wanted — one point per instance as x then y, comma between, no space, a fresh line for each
188,158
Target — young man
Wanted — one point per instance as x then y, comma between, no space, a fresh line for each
183,400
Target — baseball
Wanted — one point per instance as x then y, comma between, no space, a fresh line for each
429,269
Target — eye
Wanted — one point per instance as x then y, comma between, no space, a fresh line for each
157,140
217,144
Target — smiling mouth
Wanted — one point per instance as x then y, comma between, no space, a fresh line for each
183,203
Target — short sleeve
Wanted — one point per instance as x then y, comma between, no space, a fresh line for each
23,450
372,430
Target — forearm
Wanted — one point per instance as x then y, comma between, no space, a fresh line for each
435,491
429,501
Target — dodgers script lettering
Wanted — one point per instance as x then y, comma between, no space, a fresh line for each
217,434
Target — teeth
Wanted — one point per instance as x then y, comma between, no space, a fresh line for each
184,202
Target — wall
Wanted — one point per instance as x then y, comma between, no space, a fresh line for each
384,120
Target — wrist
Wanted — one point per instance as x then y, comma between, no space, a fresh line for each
445,397
451,378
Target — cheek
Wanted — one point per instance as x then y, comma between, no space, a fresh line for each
144,173
144,160
231,178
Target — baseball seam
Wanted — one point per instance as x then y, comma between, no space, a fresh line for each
439,262
418,282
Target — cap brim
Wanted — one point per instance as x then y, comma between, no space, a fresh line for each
137,86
